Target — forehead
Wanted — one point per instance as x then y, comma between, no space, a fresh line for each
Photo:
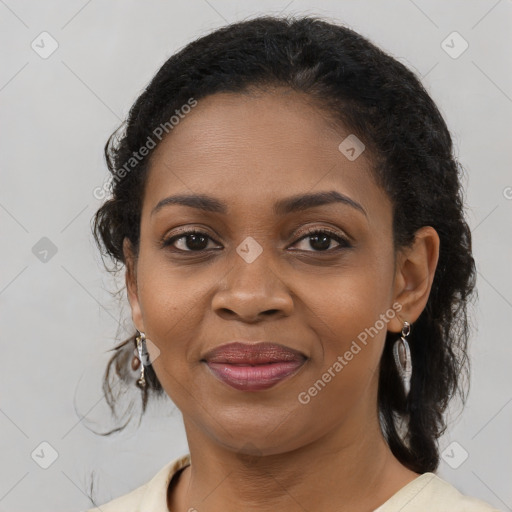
254,149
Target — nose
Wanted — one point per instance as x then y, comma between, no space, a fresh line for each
252,292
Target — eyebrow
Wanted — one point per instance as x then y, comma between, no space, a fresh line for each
281,207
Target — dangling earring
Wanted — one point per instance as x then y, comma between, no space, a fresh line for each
403,358
142,350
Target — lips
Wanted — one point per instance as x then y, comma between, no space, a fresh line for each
253,366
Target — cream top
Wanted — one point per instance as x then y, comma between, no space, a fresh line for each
426,493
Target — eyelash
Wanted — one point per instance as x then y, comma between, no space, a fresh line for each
344,244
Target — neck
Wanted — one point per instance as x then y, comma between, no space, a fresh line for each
350,469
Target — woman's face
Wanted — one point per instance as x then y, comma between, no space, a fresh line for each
259,276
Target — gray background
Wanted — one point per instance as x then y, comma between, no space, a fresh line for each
57,315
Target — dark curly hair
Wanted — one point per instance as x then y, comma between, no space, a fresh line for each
384,103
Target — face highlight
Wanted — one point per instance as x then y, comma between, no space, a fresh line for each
255,226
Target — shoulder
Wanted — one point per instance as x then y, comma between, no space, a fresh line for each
149,497
128,502
432,493
442,492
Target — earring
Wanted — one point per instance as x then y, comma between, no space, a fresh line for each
142,350
403,358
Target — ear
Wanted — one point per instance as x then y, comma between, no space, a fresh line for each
131,284
414,275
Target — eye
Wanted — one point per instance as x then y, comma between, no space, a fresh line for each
320,240
197,241
191,241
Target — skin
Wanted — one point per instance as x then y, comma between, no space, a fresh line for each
265,450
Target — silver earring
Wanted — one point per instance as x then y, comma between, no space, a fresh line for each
403,358
142,349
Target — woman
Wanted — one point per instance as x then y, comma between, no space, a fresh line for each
288,209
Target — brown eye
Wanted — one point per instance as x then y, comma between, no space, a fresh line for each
320,240
190,241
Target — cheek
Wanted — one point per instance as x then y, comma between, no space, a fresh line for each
353,298
171,313
350,317
344,366
168,300
174,306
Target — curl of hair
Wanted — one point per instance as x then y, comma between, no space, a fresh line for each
381,101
